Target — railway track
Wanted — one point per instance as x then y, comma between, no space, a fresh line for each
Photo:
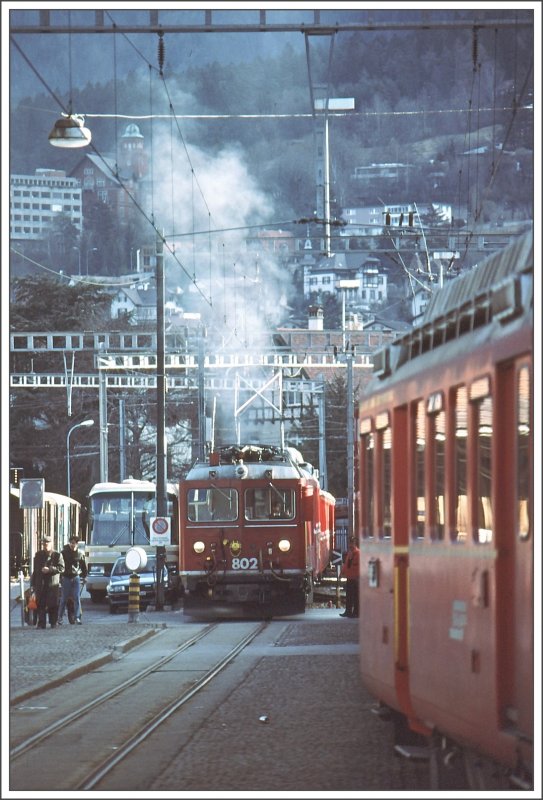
113,714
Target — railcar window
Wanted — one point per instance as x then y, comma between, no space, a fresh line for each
420,471
438,435
368,450
212,503
269,502
387,482
484,530
523,453
460,531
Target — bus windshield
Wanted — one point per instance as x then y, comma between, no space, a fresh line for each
120,519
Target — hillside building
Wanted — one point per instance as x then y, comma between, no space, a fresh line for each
35,201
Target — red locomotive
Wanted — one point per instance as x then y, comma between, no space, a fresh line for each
445,507
256,532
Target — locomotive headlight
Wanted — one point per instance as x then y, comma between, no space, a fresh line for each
284,545
198,547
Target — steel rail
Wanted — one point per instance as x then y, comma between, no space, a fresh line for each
100,772
32,741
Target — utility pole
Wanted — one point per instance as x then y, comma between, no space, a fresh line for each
346,357
102,412
323,472
122,442
201,397
161,498
350,442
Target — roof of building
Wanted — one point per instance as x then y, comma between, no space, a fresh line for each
105,164
140,297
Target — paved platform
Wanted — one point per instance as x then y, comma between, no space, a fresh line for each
43,657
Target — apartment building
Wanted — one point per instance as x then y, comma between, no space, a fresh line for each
36,199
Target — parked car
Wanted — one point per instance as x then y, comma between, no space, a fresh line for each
119,584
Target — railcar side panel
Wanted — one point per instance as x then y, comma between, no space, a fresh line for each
446,460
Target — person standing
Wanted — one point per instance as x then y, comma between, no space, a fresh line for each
351,571
75,573
45,582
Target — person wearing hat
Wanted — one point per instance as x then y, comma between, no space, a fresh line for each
45,582
75,573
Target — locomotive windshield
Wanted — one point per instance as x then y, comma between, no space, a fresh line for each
212,504
269,503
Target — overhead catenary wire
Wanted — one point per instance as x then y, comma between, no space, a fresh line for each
517,107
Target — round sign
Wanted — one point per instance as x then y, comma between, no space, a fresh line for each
135,558
160,525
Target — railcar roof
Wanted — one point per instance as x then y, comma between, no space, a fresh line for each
498,290
253,471
515,258
253,461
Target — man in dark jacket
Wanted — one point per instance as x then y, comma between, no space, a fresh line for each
45,582
351,571
75,573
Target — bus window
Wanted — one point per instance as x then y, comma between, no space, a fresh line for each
109,520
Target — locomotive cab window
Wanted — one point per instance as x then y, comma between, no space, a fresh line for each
269,502
212,504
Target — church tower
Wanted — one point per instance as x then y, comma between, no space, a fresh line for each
132,156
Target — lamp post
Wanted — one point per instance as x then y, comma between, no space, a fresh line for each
323,106
347,356
85,424
90,250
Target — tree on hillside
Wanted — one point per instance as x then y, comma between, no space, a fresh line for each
45,303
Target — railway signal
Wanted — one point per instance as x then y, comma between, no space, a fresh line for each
15,476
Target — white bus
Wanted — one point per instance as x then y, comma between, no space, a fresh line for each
119,517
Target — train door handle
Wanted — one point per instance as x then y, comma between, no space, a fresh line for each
480,588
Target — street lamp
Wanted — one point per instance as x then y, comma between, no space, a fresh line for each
323,106
85,424
347,356
90,250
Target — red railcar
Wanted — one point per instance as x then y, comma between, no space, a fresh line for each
446,520
256,532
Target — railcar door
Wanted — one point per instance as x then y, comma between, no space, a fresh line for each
514,520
